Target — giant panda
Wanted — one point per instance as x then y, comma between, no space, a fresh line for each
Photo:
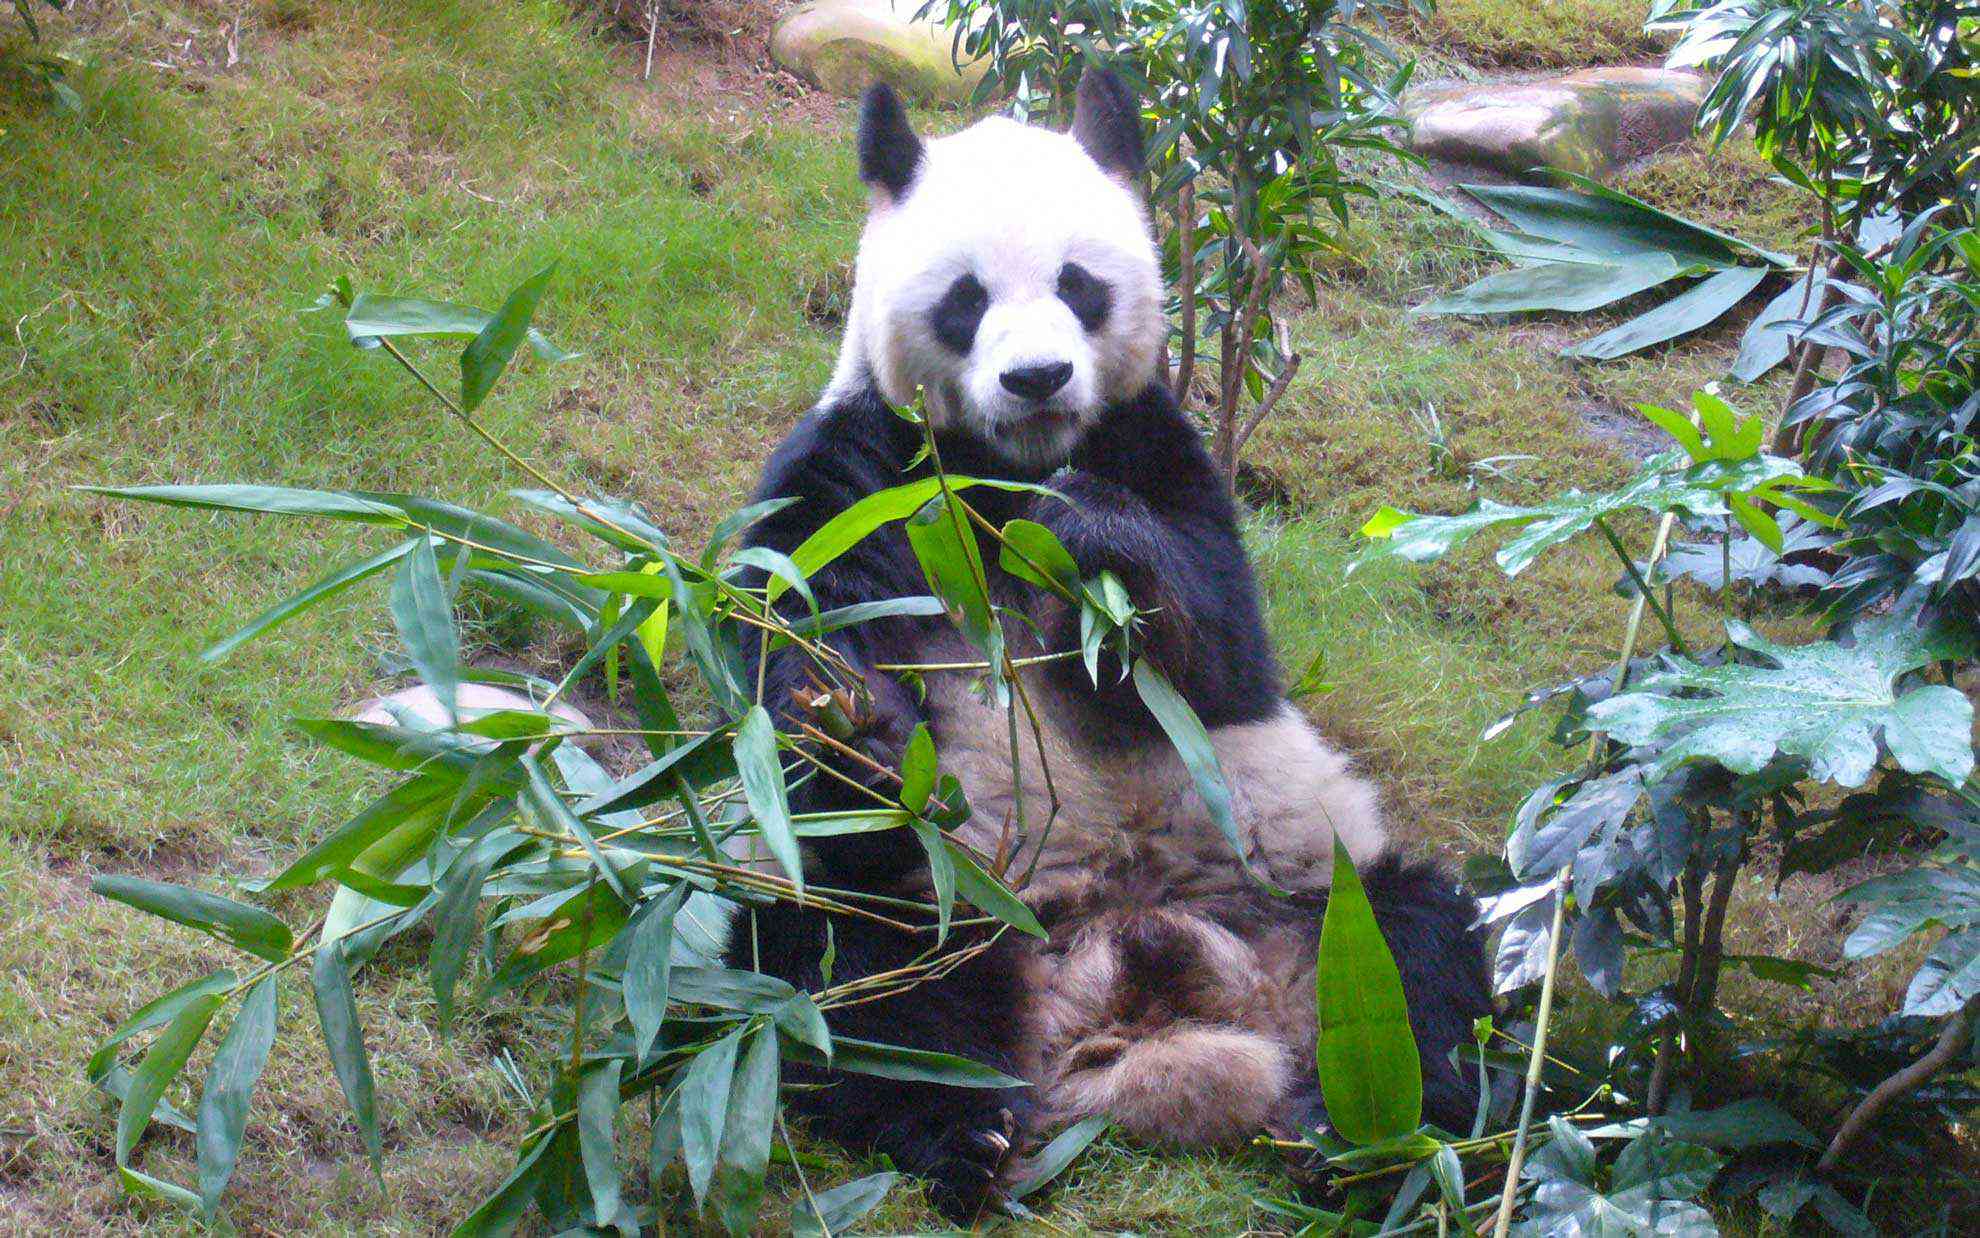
1008,274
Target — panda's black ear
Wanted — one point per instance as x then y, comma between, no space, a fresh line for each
889,152
1107,123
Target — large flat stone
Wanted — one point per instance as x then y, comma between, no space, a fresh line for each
1590,122
842,46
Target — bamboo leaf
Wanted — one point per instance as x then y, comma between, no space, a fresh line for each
296,603
336,1010
487,355
762,773
275,500
745,1153
252,929
223,1103
161,1064
647,966
426,624
704,1105
1370,1073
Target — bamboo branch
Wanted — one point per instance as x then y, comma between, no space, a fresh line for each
1537,1061
1186,282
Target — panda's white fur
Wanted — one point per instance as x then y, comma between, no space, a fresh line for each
1011,204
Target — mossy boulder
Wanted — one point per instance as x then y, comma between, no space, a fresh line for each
842,46
1590,122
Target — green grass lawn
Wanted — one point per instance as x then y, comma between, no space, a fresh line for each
155,257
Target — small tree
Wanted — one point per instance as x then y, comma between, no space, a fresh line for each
1255,110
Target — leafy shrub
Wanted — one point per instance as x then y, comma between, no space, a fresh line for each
1258,110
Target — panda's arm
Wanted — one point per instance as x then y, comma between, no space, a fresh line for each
836,456
1147,503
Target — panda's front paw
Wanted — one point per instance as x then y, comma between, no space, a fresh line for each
868,727
971,1166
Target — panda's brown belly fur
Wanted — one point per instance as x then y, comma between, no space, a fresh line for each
1174,995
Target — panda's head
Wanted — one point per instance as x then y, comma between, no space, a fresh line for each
1007,272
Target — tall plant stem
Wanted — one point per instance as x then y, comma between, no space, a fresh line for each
1537,1062
1186,288
1644,596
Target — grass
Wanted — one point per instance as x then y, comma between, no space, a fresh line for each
154,258
1553,34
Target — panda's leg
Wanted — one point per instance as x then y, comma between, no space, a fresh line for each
961,1139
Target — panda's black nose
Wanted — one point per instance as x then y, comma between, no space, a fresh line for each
1035,382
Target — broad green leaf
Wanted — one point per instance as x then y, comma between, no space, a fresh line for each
1754,1122
1651,220
296,603
455,924
919,605
762,774
1370,1075
487,355
1949,978
704,1105
154,1013
941,871
799,1018
275,500
237,924
597,1112
866,1057
372,317
1822,701
343,1036
1192,743
426,624
845,530
1614,225
745,1153
729,988
918,769
223,1103
331,856
645,984
1033,552
1700,305
989,895
539,795
840,1208
1665,1168
1767,339
587,918
952,563
1568,286
1903,903
161,1064
1661,486
498,1214
1051,1161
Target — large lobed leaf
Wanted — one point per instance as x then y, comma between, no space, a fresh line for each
1825,702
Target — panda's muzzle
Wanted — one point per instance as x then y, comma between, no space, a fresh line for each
1037,382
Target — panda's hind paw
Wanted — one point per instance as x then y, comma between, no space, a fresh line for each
972,1166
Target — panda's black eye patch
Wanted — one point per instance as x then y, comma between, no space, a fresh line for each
957,314
1087,297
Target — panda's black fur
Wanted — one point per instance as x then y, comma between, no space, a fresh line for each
1143,499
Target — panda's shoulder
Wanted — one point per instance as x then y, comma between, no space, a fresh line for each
844,447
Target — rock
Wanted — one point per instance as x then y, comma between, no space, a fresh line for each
1590,121
842,46
420,708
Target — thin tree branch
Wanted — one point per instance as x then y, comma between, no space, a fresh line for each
1186,285
1952,1042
